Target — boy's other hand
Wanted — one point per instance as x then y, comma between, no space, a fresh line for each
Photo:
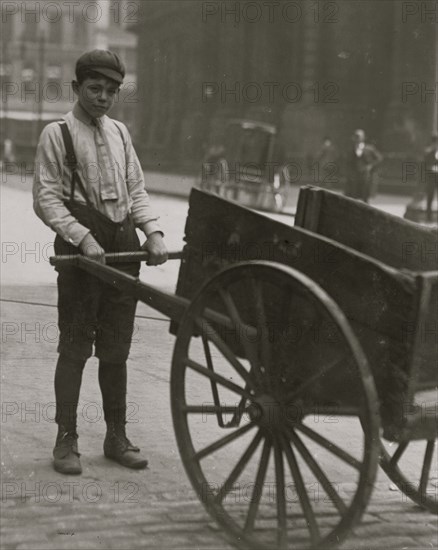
156,248
92,249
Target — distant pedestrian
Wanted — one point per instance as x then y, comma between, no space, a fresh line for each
325,168
8,150
431,171
214,169
89,188
361,162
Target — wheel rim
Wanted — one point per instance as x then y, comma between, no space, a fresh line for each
260,479
412,467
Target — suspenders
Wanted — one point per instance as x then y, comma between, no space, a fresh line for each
72,161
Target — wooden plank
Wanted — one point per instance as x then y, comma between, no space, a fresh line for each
424,334
308,209
387,238
171,305
220,233
111,258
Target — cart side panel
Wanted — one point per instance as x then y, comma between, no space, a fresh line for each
387,238
220,232
376,299
425,333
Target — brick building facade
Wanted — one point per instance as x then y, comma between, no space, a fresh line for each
313,68
40,43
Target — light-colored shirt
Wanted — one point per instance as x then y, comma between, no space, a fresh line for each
124,193
359,149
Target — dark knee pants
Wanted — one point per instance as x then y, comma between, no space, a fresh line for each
91,311
359,187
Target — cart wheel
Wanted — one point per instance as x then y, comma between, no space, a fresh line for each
269,387
399,460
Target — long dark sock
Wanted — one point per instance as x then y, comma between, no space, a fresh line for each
112,381
68,378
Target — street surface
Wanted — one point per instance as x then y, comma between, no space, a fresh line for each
108,506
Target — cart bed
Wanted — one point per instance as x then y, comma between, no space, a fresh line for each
394,241
382,303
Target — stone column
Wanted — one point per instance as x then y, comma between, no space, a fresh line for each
411,115
303,119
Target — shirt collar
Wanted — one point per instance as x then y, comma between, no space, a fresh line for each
82,115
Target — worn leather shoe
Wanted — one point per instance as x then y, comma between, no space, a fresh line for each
66,453
118,447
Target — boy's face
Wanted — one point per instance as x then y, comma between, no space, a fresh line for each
96,95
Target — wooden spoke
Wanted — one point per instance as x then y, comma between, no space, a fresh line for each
209,332
426,466
217,378
301,490
317,472
213,385
280,493
403,476
210,409
283,316
235,421
398,453
238,468
249,347
258,486
213,447
340,453
262,329
310,381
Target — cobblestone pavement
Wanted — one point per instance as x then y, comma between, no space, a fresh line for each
110,507
177,521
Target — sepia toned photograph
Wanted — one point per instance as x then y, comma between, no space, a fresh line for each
219,274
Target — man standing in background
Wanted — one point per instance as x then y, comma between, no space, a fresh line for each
431,169
361,163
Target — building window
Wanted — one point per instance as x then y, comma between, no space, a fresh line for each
28,74
54,27
116,13
80,31
30,28
124,13
5,73
53,74
31,88
53,87
7,32
130,59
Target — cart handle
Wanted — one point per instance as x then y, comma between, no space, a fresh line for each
111,257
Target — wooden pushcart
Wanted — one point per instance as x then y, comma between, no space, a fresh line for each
304,356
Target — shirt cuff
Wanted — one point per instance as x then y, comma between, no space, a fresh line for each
76,234
151,227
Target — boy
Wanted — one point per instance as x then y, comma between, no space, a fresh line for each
89,189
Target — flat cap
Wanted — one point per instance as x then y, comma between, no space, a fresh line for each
103,62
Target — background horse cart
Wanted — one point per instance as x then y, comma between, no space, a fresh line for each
243,168
304,356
